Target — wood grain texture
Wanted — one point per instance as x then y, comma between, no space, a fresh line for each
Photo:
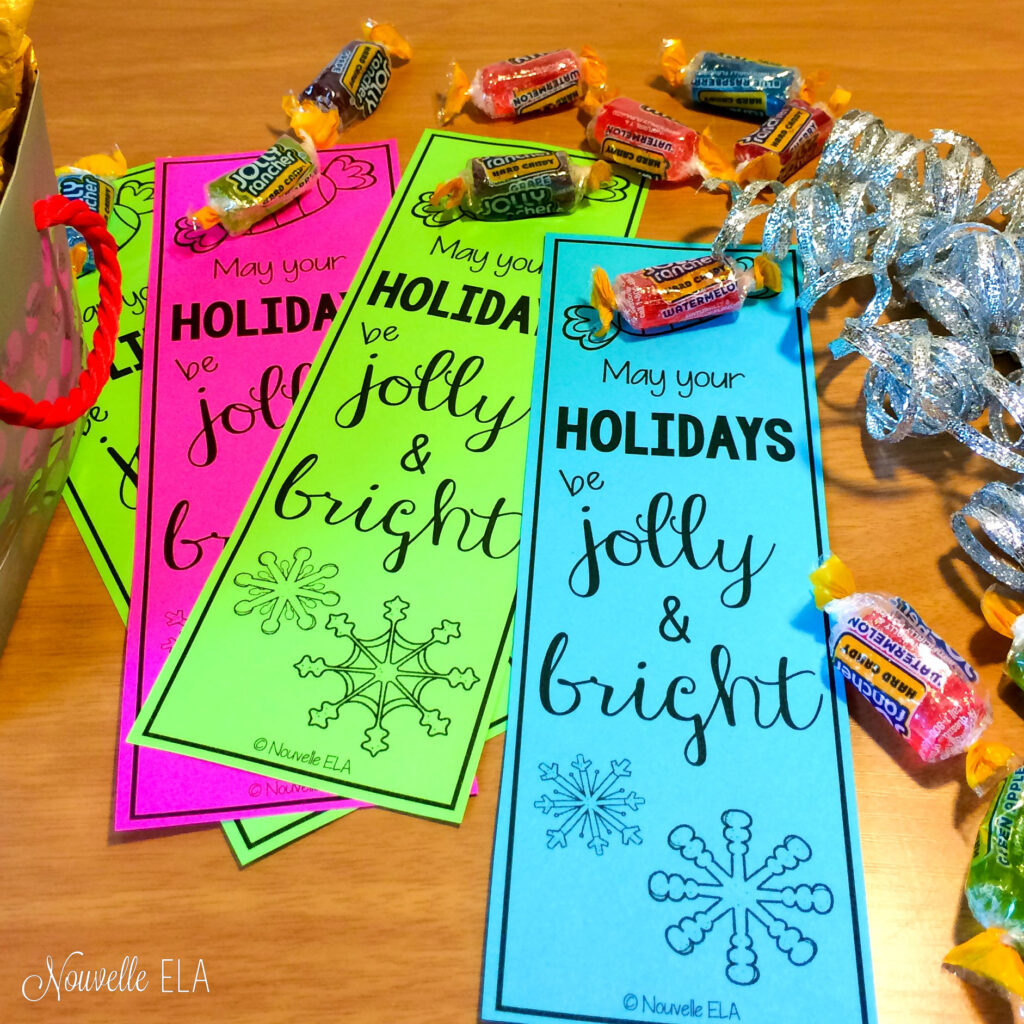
380,917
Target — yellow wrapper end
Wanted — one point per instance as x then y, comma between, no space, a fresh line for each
593,100
987,961
602,298
14,17
838,101
713,159
458,93
103,165
987,764
594,70
1000,610
812,85
78,255
449,194
595,95
768,275
206,217
595,80
673,61
831,580
599,176
387,35
14,47
321,127
766,167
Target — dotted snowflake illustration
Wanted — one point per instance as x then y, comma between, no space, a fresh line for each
385,673
287,591
588,805
741,897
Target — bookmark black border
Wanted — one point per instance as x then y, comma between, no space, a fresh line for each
70,484
499,1006
251,844
284,806
242,528
238,824
95,533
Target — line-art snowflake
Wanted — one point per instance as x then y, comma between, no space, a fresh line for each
286,590
589,805
175,618
385,673
740,896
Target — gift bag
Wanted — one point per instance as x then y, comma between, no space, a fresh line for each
47,380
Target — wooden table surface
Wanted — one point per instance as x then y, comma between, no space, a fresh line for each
380,917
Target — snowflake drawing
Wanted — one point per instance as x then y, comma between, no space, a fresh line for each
588,804
175,618
385,673
286,590
168,644
740,896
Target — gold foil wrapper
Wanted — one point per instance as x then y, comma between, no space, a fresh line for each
17,74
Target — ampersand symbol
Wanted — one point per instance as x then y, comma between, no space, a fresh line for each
415,458
670,628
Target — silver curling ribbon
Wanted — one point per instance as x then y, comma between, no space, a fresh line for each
914,216
998,509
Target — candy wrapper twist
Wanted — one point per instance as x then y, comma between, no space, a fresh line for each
927,692
939,233
995,894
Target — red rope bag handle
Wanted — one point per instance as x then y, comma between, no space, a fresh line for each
15,406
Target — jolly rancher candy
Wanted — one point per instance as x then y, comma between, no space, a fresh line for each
681,292
242,197
788,140
632,134
89,179
923,688
521,185
995,894
525,85
349,88
750,87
